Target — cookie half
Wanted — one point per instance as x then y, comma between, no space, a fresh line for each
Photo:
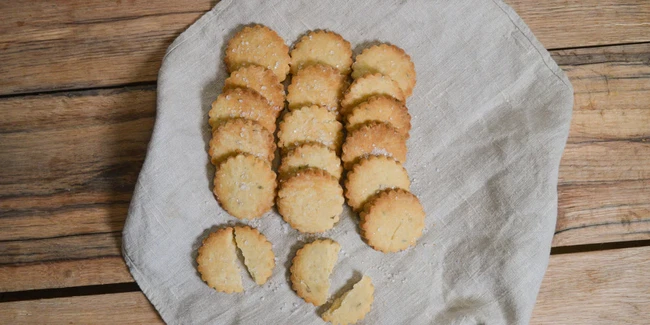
372,175
390,61
245,103
311,269
241,136
310,124
217,262
353,305
367,86
319,85
262,80
313,155
245,186
322,47
392,221
311,200
257,251
258,45
373,139
382,109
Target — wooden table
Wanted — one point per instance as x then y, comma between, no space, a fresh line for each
77,104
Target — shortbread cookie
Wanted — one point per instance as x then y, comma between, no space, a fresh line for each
322,47
261,80
311,200
257,251
310,124
367,86
311,269
311,155
353,305
217,262
258,45
319,85
245,186
372,175
245,103
392,221
383,109
241,136
373,139
390,61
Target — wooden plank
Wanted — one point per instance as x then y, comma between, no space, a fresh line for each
59,203
81,44
61,274
572,23
602,287
119,308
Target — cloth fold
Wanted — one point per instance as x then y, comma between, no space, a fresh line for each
491,113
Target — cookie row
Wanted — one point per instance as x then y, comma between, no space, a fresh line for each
310,134
378,125
243,120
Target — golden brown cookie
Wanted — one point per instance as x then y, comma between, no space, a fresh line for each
319,85
372,175
392,221
311,200
353,305
322,47
257,251
245,186
261,80
311,154
258,45
390,61
245,103
367,86
310,124
373,139
311,269
217,262
239,135
382,109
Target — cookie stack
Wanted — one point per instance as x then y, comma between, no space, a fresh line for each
310,134
378,125
243,119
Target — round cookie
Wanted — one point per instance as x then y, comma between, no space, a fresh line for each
373,139
372,175
322,47
261,80
353,305
240,135
310,124
244,103
245,186
392,221
311,200
217,262
319,85
383,109
257,251
313,155
390,61
311,269
258,45
367,86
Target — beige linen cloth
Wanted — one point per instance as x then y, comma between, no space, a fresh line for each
491,113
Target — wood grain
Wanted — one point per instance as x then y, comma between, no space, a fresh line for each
603,287
70,162
75,44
